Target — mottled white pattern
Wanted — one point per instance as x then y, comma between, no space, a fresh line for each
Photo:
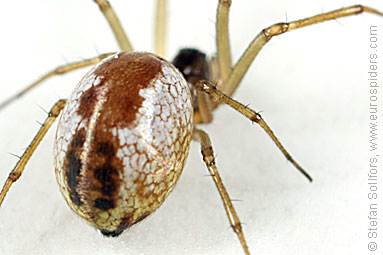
154,137
162,122
152,148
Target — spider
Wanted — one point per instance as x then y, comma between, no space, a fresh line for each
265,168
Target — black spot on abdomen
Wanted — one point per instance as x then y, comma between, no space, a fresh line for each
103,204
104,175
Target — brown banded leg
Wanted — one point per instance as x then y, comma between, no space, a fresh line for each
208,157
160,28
209,88
19,168
231,82
59,70
115,24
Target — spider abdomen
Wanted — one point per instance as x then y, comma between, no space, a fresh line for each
123,139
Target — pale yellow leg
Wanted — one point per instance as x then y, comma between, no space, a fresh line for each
232,77
208,158
160,28
209,88
222,39
204,113
19,168
59,70
115,24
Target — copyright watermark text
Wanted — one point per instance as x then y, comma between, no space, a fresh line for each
374,157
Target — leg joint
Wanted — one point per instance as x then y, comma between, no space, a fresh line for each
56,109
225,2
103,4
237,227
14,176
256,118
275,29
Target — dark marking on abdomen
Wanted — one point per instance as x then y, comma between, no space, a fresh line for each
74,167
105,149
104,175
103,204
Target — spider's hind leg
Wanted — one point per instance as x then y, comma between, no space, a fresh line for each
120,35
115,24
160,28
19,168
57,71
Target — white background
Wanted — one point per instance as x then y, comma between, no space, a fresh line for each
311,85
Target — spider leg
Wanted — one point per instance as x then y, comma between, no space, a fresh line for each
19,168
209,88
231,81
115,24
208,157
59,70
222,39
205,111
160,28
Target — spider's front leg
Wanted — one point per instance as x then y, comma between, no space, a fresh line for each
210,89
231,76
